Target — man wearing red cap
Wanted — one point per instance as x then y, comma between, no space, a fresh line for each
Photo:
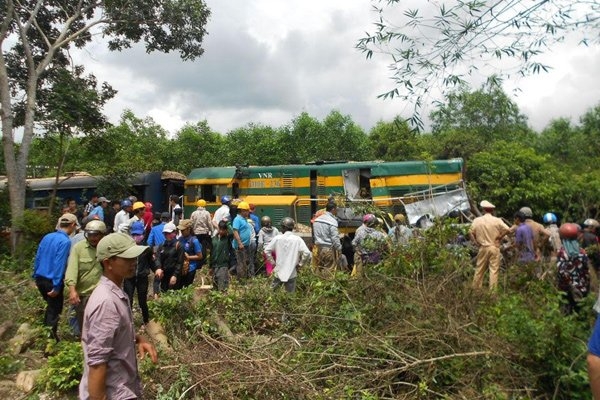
486,232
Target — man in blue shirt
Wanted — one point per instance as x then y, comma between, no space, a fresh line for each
593,360
155,239
242,232
99,209
49,268
254,219
193,251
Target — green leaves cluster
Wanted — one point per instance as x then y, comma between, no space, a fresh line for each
63,371
550,344
136,145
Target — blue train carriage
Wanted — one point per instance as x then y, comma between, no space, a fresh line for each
300,190
155,187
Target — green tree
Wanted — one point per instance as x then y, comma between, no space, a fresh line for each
443,45
574,146
590,130
395,141
558,140
134,145
468,122
255,144
307,139
344,140
302,139
72,107
195,146
580,199
511,176
35,36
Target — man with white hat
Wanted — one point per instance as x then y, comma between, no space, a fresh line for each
110,364
486,232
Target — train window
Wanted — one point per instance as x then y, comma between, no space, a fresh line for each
213,193
41,203
191,193
357,184
207,192
352,183
365,183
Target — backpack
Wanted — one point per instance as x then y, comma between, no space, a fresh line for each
573,275
185,268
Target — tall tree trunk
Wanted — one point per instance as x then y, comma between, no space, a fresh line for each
15,176
16,161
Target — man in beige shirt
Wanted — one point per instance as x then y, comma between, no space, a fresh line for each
485,232
540,234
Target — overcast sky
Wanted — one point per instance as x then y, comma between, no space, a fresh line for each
266,61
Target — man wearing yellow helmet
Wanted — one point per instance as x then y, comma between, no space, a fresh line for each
138,214
202,227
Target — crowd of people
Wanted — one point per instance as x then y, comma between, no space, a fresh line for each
101,255
560,251
565,251
105,252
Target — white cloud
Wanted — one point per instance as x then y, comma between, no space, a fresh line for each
267,61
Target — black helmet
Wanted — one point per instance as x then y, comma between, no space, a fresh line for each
287,224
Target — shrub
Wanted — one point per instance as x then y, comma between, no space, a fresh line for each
9,365
551,345
33,225
63,371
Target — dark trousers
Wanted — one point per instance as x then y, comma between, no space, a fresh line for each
80,310
221,278
141,284
54,305
156,286
206,243
165,282
188,278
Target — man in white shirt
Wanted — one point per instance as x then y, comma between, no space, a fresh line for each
291,252
221,212
121,223
176,210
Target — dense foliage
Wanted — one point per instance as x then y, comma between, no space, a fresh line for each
507,163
